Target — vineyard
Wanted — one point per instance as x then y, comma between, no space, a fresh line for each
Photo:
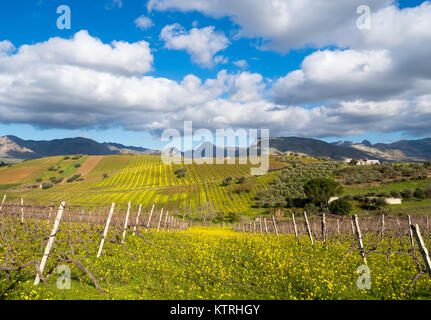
146,180
75,253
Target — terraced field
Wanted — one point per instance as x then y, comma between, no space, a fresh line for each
147,180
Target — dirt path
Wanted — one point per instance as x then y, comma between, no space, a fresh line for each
89,165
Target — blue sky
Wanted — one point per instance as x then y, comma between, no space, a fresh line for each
32,22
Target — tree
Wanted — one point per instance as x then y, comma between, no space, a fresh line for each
340,207
419,193
321,189
353,162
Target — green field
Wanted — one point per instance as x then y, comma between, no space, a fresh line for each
147,180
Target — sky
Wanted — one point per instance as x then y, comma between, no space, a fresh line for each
127,70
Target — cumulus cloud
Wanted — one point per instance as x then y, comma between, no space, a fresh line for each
241,64
202,44
84,83
283,24
144,22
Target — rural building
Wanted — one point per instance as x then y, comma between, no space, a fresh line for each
393,200
367,162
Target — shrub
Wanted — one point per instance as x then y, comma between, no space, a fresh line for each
428,191
74,178
241,180
227,181
396,194
340,207
181,172
407,194
311,208
105,175
77,165
47,185
61,171
38,180
419,193
66,158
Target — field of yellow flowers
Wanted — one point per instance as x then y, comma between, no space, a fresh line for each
210,263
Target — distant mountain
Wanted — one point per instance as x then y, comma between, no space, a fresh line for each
12,147
15,148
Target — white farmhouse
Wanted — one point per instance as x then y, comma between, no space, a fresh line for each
393,200
367,162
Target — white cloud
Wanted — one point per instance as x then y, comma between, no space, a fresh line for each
114,4
284,24
83,83
144,22
201,44
241,64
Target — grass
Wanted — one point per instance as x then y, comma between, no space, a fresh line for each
217,263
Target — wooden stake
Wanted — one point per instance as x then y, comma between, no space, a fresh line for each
308,228
338,226
353,226
2,203
50,242
126,221
266,225
166,220
105,232
424,251
359,235
137,218
22,210
382,232
324,228
275,225
411,232
260,224
149,219
294,226
160,220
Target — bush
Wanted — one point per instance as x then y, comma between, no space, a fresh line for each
428,191
241,180
38,180
61,171
311,208
227,181
47,185
105,175
66,158
181,172
396,194
73,178
419,193
407,194
340,207
77,165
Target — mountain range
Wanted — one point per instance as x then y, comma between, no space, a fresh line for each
14,149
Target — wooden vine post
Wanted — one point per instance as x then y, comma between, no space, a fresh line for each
359,236
2,202
126,221
338,226
353,226
260,225
50,242
308,228
275,225
166,220
22,210
324,228
411,232
294,227
266,225
149,219
160,220
137,219
105,232
424,251
382,231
